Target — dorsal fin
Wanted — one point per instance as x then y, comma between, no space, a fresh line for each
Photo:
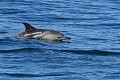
28,27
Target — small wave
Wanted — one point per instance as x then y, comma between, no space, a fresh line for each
77,18
21,49
38,75
67,18
3,32
91,52
110,24
97,39
10,11
22,75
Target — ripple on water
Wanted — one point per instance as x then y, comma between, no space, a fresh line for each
91,52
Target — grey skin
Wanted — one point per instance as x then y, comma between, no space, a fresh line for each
41,34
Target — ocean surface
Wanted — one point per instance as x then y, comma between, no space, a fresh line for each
93,53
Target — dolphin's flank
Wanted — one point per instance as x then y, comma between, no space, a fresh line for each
41,34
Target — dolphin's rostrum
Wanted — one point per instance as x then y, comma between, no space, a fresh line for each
41,34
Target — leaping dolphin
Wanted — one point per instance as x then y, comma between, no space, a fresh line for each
41,34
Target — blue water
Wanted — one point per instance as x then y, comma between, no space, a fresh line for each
93,53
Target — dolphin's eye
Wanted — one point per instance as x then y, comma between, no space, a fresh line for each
58,37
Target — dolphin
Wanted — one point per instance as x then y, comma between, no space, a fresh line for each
41,34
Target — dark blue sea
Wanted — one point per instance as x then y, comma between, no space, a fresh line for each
93,53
